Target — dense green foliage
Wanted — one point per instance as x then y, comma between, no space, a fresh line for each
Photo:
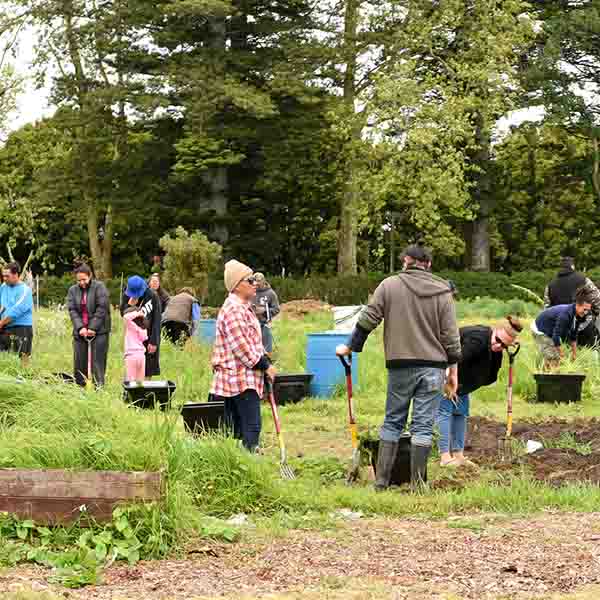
306,138
344,290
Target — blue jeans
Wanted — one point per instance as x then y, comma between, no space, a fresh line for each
267,338
421,386
242,416
452,423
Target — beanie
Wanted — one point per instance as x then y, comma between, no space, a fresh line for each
418,252
235,271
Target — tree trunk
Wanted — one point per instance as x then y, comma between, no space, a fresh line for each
596,166
480,240
100,249
348,234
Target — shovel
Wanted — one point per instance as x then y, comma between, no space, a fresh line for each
285,469
353,473
505,443
89,384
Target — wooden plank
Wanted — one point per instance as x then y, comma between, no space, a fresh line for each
56,496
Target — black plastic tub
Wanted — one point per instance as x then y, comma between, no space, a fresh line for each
290,388
146,394
401,472
203,416
559,387
64,377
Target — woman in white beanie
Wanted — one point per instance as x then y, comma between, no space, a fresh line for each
238,359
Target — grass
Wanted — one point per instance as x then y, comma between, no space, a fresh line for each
47,424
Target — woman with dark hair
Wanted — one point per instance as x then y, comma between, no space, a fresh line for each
163,296
88,303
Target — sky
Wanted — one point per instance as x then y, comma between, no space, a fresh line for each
32,104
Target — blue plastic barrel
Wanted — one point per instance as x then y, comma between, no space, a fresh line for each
323,363
207,330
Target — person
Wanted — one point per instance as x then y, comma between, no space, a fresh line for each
266,306
421,341
16,314
181,318
138,294
155,284
135,351
562,289
557,325
88,303
482,351
239,361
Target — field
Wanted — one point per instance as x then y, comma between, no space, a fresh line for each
525,528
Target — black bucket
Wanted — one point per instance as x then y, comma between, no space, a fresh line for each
559,387
145,394
290,388
203,416
64,377
401,471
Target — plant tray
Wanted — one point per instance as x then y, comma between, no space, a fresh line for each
146,394
203,416
290,388
559,387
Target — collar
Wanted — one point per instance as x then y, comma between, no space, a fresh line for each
237,300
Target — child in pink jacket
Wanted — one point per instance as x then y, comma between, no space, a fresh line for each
135,351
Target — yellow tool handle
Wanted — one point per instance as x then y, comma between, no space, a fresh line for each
509,425
354,435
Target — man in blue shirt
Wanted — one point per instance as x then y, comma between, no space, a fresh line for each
557,325
16,314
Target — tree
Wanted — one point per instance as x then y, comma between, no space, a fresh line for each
10,83
457,76
189,259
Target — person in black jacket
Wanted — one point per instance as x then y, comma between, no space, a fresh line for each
482,351
139,294
88,303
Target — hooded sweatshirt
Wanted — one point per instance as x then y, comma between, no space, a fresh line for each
420,328
268,300
135,336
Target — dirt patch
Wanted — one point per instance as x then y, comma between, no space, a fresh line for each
418,559
300,308
551,464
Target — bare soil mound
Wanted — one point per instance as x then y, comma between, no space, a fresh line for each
301,308
551,464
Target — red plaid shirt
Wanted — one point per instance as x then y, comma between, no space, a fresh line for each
238,347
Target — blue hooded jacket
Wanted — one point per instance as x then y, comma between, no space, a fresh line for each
559,323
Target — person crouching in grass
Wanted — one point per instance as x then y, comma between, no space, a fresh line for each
557,325
238,359
482,351
135,352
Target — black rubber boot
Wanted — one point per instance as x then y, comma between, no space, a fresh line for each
386,458
418,465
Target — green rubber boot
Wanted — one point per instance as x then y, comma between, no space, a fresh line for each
418,466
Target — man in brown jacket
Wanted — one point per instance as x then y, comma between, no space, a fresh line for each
421,341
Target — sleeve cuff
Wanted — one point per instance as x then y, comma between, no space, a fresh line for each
263,364
358,338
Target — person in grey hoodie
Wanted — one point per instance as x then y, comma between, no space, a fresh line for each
422,345
266,307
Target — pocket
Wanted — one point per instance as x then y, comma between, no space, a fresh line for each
433,380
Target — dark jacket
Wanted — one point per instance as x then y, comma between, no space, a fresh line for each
149,304
561,290
478,366
268,300
420,326
559,323
164,298
98,306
